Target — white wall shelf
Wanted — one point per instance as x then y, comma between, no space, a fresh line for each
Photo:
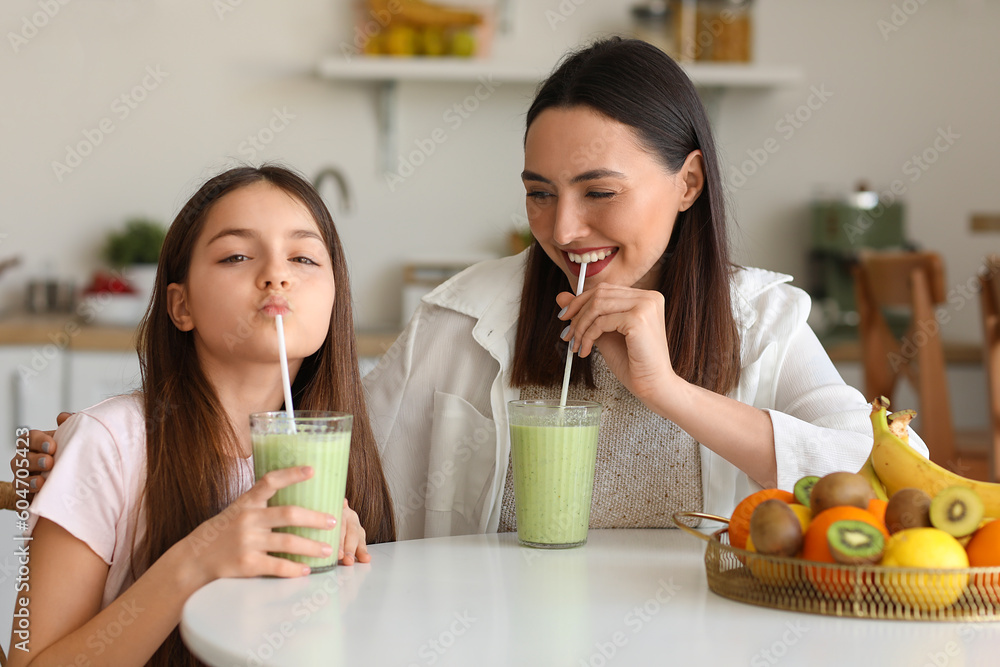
388,68
388,72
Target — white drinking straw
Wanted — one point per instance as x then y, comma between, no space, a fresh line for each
286,383
569,349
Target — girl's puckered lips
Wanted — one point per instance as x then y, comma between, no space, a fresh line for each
275,305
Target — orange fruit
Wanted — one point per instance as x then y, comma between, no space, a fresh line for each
984,547
739,523
984,551
877,507
838,581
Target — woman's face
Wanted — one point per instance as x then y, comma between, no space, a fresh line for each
595,193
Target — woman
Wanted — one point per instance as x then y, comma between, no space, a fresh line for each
712,381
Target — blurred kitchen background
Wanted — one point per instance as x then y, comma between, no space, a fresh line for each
115,110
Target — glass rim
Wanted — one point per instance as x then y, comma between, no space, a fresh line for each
301,415
553,403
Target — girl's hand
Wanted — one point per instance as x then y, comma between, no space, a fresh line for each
627,325
236,542
352,538
41,450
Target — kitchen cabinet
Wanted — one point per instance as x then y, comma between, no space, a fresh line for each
31,390
92,376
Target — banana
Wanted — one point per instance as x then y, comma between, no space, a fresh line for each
868,472
898,465
425,14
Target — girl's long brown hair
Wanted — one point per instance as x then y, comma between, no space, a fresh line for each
636,84
191,446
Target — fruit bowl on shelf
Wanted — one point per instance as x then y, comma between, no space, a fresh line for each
419,28
831,589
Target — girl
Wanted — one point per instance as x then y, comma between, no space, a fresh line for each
713,384
131,518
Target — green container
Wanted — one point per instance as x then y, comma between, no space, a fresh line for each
842,228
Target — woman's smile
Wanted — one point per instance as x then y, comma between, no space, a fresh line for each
597,259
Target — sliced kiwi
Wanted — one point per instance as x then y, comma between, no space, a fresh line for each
803,488
957,510
855,542
908,508
840,488
775,529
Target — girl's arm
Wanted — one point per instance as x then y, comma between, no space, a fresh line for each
67,579
628,326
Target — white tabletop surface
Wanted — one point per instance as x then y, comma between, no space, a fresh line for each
629,597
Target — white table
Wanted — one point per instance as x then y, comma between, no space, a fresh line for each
629,597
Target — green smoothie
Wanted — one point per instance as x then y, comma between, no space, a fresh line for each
553,452
313,444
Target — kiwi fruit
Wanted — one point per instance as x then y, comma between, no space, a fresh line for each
855,542
908,508
838,489
803,488
775,529
957,510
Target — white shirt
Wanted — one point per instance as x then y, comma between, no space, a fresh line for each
438,399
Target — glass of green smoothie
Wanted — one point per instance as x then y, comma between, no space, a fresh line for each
554,449
310,438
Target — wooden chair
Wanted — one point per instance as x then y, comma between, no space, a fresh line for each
912,281
989,283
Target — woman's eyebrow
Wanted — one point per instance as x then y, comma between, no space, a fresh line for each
591,175
595,174
532,176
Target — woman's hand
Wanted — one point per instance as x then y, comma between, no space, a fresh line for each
237,541
627,325
352,538
41,450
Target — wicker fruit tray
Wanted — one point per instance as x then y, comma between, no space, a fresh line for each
863,591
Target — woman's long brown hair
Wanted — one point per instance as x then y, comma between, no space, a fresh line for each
636,84
191,447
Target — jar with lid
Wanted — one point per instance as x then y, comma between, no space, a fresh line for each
724,32
653,22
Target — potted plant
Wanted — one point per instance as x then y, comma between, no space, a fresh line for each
134,250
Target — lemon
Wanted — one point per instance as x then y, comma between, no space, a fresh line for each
400,40
928,548
803,513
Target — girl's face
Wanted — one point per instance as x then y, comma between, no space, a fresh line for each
594,192
260,253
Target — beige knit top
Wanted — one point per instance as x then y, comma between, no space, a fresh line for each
647,467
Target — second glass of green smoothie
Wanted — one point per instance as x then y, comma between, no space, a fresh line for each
310,438
554,450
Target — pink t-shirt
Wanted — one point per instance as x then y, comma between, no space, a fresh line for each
93,492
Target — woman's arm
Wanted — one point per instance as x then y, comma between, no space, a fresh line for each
67,579
628,326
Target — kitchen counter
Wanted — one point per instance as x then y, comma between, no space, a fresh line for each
68,332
